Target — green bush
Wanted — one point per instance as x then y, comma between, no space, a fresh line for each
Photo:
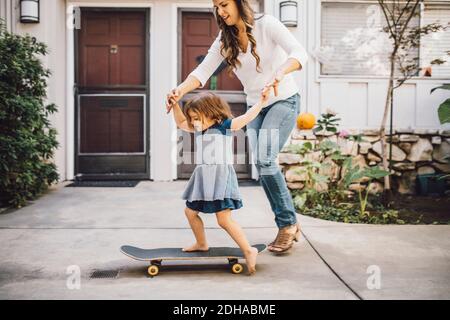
27,141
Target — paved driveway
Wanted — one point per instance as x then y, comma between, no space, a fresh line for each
68,230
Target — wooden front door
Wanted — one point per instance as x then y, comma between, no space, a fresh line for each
199,30
112,93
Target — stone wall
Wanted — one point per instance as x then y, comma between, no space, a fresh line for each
414,152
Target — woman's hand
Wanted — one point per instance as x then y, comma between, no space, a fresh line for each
264,96
172,98
277,79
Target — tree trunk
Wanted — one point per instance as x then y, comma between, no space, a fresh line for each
387,181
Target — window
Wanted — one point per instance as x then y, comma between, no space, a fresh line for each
436,45
353,43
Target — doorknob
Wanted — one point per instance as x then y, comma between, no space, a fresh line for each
113,48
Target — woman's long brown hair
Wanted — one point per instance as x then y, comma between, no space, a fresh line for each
230,40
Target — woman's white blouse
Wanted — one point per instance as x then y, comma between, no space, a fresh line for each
274,44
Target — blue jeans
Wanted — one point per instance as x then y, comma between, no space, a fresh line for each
267,134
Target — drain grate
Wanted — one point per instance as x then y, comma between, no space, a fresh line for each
106,184
104,274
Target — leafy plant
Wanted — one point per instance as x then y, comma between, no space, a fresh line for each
310,170
444,108
327,122
356,138
335,202
328,147
27,140
302,148
354,174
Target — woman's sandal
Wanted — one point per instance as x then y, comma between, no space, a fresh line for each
284,240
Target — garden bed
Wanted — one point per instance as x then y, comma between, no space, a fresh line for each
404,209
428,209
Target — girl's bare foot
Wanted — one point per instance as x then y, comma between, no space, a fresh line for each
196,247
250,258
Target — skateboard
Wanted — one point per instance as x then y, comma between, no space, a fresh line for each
156,256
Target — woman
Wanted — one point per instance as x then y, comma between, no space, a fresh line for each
262,53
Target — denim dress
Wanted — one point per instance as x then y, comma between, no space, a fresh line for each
213,185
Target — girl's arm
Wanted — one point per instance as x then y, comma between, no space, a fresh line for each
241,121
180,119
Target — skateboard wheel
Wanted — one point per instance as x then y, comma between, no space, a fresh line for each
153,270
237,268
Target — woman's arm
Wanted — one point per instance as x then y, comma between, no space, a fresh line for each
180,119
210,63
297,55
289,66
199,76
191,83
281,35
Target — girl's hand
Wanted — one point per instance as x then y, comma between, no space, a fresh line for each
172,98
277,79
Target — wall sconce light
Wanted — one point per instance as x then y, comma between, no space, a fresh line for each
289,13
29,11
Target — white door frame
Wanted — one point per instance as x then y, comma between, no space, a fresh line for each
70,73
175,7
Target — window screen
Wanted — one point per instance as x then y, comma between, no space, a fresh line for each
352,40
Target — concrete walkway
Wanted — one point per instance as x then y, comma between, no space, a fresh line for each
85,227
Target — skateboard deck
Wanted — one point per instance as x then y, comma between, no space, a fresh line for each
156,256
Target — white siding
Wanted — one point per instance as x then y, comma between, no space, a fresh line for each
358,97
435,45
427,104
8,14
347,99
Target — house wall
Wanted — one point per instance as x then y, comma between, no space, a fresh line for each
163,77
55,32
50,30
8,13
360,100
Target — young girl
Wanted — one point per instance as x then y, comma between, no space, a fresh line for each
213,186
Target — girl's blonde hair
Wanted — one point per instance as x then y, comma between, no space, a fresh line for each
207,105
